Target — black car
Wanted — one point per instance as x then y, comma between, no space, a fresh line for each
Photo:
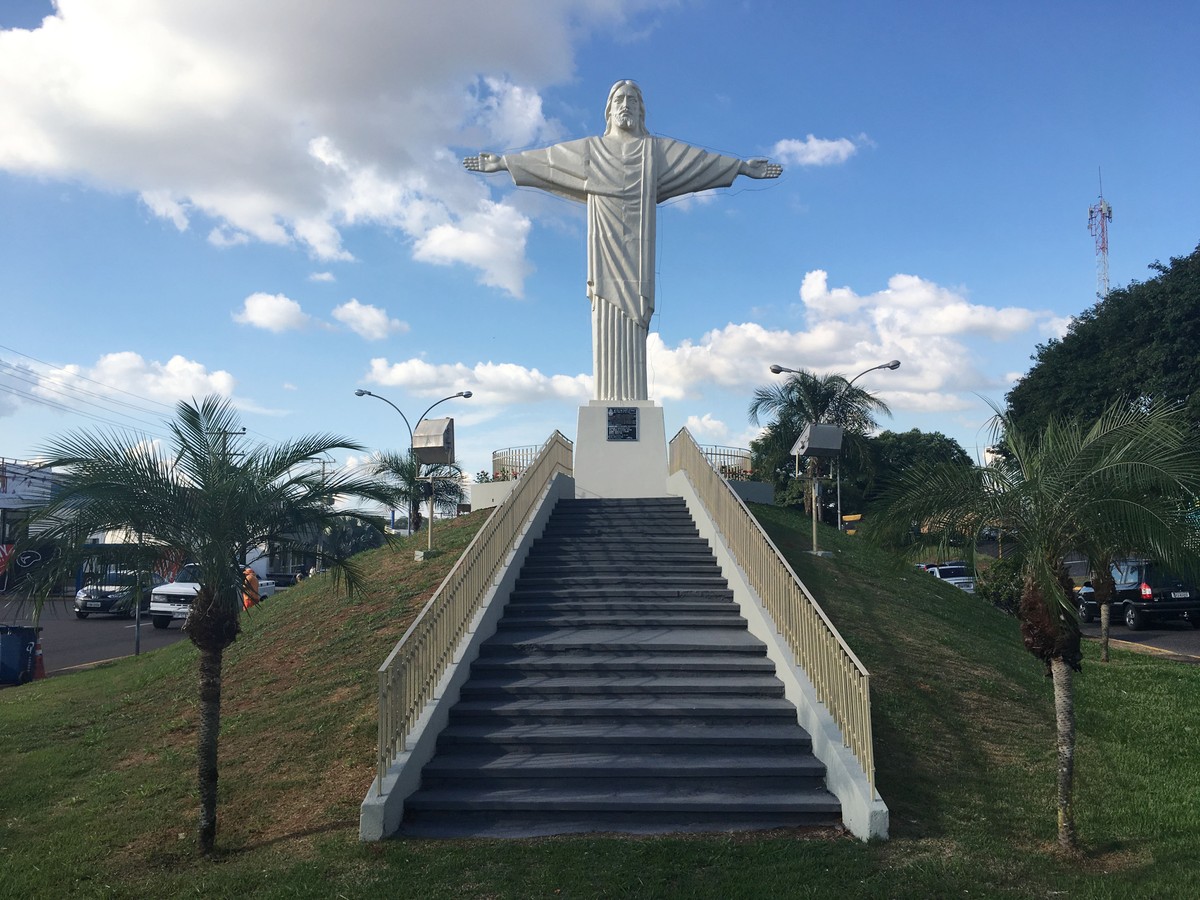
113,593
1144,591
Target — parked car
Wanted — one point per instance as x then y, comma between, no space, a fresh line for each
955,573
113,593
173,600
1145,591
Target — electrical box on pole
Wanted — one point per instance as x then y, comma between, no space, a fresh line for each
433,441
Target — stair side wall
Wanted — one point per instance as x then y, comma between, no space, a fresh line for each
382,812
864,814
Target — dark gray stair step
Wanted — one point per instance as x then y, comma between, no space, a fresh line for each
694,736
625,640
567,607
652,540
643,559
587,768
624,619
627,514
623,532
619,502
636,798
576,603
619,685
597,663
648,594
482,762
781,781
661,708
631,581
449,825
584,573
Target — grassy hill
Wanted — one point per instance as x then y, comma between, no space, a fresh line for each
97,777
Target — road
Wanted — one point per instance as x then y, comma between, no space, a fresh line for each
68,642
1175,638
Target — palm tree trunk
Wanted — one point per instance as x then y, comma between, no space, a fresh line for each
1064,712
206,749
1105,621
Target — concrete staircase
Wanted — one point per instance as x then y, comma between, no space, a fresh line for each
621,692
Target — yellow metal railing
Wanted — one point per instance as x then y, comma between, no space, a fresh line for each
730,462
841,682
510,464
410,674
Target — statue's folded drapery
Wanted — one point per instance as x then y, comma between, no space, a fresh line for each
622,181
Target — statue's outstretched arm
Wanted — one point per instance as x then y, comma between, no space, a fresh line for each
759,167
485,162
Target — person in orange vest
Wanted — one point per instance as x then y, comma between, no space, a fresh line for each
249,589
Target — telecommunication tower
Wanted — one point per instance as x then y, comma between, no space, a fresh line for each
1099,215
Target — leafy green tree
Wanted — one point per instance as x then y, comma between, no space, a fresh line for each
1138,345
1063,488
895,453
1000,583
802,399
410,480
208,497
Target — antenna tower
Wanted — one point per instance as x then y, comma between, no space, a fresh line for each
1099,215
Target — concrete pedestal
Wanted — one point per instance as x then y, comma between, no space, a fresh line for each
621,450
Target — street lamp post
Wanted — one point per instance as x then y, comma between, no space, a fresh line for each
893,365
777,370
466,395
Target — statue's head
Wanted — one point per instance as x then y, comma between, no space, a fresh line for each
625,108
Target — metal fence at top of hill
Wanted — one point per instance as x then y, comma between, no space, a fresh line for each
842,682
732,462
410,674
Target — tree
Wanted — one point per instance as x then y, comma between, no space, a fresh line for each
1138,344
1119,483
803,399
207,498
410,481
895,453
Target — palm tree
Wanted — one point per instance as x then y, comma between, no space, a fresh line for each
410,481
1117,484
805,398
208,498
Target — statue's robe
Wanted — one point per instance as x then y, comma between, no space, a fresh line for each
622,180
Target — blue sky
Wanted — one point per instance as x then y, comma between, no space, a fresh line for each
266,200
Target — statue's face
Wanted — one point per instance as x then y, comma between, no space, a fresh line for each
626,108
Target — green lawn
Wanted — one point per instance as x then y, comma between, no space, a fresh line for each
97,778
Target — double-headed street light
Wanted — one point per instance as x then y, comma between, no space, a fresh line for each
466,395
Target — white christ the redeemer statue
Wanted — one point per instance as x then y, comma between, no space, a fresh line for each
622,176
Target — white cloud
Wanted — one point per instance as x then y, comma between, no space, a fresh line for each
163,205
913,307
1056,326
368,321
706,426
492,384
254,122
176,379
327,277
490,239
272,312
813,151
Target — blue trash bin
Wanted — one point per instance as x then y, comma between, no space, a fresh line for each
17,644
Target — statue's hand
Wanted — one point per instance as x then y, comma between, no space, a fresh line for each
485,162
759,167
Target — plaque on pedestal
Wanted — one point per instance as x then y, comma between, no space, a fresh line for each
622,423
